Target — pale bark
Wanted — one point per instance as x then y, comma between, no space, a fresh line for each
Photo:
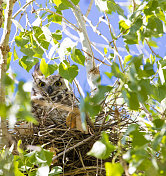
4,49
93,74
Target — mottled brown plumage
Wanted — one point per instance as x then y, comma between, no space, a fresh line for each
51,98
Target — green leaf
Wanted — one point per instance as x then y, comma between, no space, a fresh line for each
21,41
108,74
27,51
55,171
28,62
68,4
103,148
152,43
55,18
156,142
113,169
113,7
138,138
15,54
48,156
123,27
57,2
131,99
47,69
161,93
68,72
127,59
154,24
131,38
116,71
158,123
16,169
88,106
137,61
9,59
105,51
102,90
57,35
44,156
38,51
77,56
18,147
40,37
4,110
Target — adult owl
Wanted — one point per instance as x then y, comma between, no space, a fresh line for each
52,101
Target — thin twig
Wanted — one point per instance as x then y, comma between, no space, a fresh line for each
97,59
78,144
94,28
152,49
22,8
101,53
89,8
80,156
134,5
116,49
50,11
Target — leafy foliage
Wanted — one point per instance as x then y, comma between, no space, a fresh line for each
32,163
138,81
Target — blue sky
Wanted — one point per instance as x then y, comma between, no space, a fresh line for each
94,17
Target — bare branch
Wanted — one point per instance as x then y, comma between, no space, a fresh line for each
92,71
50,11
152,49
89,8
116,49
22,8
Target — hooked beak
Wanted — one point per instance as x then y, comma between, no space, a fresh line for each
49,90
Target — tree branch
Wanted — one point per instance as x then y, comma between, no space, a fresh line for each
50,11
4,49
22,8
93,74
116,49
1,13
89,8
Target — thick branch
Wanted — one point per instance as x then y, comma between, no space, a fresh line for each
93,74
4,49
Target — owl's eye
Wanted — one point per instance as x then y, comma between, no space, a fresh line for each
42,84
58,83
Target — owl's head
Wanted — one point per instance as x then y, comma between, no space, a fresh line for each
49,85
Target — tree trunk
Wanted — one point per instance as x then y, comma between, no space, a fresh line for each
4,49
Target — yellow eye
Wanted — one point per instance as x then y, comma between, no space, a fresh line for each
42,84
58,83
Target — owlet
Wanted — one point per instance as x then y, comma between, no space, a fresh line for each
51,99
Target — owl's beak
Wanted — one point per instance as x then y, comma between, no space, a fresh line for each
49,90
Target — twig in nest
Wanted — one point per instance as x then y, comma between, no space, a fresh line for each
67,150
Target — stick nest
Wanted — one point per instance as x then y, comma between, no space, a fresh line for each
70,146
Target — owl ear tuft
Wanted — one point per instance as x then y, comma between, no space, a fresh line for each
37,70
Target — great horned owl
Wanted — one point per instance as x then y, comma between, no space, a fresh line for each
51,99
